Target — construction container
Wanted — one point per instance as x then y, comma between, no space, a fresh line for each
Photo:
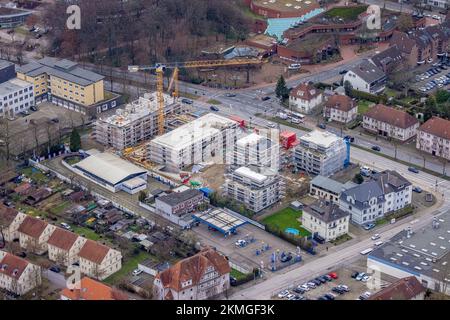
288,139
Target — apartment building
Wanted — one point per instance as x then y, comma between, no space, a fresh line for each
208,139
18,275
64,246
200,277
325,188
321,153
434,137
340,108
255,190
63,82
389,60
258,150
304,98
15,96
136,123
10,221
325,219
98,261
366,77
386,192
390,123
34,234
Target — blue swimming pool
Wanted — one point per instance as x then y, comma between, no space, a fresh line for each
293,231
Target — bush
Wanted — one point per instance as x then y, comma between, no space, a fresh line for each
367,96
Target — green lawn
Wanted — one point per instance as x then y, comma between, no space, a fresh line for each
363,106
127,268
346,13
214,101
88,233
31,210
286,218
60,207
35,174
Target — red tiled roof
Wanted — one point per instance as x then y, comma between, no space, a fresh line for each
340,102
305,91
23,188
62,239
438,127
7,215
193,268
404,289
13,266
94,251
93,290
394,117
32,227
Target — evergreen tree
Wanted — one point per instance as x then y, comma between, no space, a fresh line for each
281,90
75,141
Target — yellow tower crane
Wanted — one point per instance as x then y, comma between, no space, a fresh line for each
175,66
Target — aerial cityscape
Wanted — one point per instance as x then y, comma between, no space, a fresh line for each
274,150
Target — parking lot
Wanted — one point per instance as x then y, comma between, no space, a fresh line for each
344,287
436,77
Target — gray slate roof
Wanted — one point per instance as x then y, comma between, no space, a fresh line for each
327,184
325,211
64,69
367,71
176,198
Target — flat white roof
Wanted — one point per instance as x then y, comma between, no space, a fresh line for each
135,183
13,85
248,173
109,167
321,138
193,131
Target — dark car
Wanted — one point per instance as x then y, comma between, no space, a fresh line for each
322,298
187,101
55,269
322,126
369,226
299,290
322,279
328,296
338,290
286,258
55,120
417,189
265,98
230,95
343,71
214,108
33,108
316,282
327,277
354,275
413,169
349,138
376,148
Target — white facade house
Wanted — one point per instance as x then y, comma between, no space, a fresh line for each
340,108
98,261
34,234
390,122
434,137
64,246
11,220
386,192
15,96
208,139
366,77
18,275
257,150
200,277
325,219
321,153
304,98
256,190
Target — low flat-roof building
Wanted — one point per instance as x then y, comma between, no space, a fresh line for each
209,138
325,188
112,172
325,219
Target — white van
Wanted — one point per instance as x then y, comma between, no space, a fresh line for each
367,251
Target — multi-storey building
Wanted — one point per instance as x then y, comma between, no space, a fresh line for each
390,122
340,108
325,188
136,123
434,137
321,153
257,150
210,138
304,98
99,261
202,276
10,221
34,234
325,219
386,192
18,275
64,246
15,96
63,82
366,77
255,190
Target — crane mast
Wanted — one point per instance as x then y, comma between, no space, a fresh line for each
160,98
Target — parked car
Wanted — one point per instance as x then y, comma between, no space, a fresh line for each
360,276
214,108
366,295
271,125
230,95
322,126
322,279
378,243
327,277
354,274
330,296
136,272
376,236
376,148
299,290
344,287
417,189
240,243
343,71
369,226
290,296
413,169
365,278
305,287
294,66
187,101
65,226
55,269
333,275
316,282
312,285
265,98
338,290
283,294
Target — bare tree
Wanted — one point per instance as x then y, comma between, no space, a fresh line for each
5,136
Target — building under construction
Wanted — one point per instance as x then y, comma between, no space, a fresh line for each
208,139
136,123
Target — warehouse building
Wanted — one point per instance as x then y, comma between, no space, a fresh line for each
255,190
208,139
137,122
257,150
321,153
112,172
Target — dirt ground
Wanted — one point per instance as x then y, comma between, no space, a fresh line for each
212,177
